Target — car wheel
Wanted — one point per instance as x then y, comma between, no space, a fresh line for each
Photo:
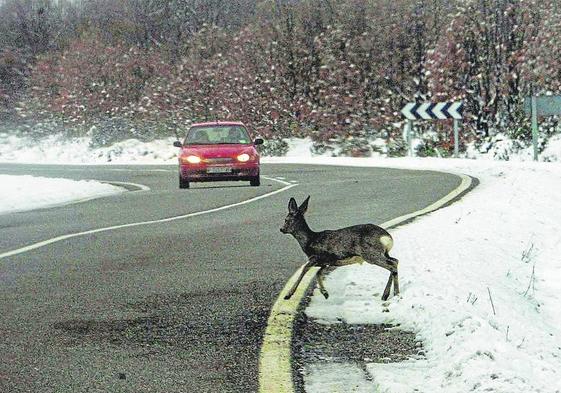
255,181
183,183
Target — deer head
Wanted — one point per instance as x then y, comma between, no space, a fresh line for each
295,216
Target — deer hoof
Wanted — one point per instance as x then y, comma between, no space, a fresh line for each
287,297
325,294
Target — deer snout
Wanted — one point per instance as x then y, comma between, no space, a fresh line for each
283,230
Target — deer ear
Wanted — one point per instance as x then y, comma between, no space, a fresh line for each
304,206
292,206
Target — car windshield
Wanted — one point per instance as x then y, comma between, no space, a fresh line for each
215,135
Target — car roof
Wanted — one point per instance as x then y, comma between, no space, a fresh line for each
218,123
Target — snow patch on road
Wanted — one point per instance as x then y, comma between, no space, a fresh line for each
19,193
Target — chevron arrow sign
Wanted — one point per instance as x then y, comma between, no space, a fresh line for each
433,111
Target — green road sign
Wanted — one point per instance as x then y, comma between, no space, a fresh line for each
546,105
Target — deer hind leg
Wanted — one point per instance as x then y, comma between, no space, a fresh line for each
395,262
382,259
321,275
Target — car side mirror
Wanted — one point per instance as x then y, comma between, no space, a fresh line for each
258,141
177,144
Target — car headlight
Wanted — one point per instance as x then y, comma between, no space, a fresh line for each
243,157
191,159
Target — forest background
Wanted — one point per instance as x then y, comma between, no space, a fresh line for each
338,72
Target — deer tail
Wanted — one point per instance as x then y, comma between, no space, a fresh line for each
387,243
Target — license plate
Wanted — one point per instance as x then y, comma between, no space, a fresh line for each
221,169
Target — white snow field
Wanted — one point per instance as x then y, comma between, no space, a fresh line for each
480,279
19,193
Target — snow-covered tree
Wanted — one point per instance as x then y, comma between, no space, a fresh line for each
480,59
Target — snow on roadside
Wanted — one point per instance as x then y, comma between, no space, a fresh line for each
19,193
299,147
553,150
503,238
58,150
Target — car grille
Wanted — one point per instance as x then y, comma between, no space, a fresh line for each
218,160
234,172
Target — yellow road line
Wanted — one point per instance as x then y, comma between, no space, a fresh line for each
464,185
275,368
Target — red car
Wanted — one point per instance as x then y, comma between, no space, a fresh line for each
218,151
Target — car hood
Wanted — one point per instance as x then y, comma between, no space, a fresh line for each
215,151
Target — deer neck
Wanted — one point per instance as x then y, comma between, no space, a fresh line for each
303,234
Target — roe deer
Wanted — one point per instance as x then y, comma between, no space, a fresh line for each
340,247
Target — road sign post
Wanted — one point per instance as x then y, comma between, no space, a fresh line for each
410,137
456,139
433,111
535,127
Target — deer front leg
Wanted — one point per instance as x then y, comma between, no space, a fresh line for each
386,293
321,273
305,269
395,284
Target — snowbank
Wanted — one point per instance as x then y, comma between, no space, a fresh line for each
20,193
553,150
58,150
299,147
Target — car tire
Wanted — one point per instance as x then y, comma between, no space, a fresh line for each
255,181
183,183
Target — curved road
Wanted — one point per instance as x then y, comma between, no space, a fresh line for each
170,306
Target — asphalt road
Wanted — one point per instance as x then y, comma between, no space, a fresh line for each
179,306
